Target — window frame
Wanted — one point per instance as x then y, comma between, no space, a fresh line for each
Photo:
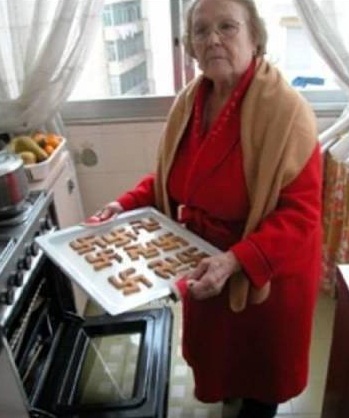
329,103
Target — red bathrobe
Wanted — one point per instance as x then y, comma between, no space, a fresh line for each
261,352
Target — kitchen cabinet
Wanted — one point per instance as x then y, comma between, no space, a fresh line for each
66,196
336,397
62,182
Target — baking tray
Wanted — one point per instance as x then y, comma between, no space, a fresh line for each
182,251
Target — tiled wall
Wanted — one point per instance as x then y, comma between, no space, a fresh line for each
123,152
120,155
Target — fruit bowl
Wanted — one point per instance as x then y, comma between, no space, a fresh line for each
38,171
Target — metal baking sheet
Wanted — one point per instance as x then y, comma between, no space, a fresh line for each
58,246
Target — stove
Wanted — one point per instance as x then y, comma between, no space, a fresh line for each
57,363
19,252
28,209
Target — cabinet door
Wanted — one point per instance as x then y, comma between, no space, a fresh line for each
69,212
67,200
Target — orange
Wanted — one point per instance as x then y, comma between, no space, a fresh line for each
49,149
53,140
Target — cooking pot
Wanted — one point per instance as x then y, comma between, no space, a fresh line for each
14,186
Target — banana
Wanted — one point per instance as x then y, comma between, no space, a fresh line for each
25,143
28,157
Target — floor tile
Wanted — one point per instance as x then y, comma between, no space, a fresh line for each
324,317
319,355
307,405
298,416
310,401
285,408
177,391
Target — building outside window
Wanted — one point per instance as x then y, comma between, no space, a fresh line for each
138,50
132,43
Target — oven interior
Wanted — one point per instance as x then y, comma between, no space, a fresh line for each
75,367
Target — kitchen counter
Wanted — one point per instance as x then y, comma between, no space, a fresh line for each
336,396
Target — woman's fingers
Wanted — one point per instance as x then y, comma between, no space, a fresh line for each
210,276
105,214
198,272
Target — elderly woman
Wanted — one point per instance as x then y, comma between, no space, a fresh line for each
239,164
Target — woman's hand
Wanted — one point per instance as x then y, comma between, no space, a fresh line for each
109,210
210,276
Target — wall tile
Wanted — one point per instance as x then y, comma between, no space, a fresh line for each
100,188
117,148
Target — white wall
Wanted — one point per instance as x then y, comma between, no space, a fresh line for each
124,153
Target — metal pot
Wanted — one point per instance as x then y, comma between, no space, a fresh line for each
14,186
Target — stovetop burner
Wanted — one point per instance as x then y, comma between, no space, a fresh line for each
18,218
13,229
23,214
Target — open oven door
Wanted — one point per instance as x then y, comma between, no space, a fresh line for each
107,367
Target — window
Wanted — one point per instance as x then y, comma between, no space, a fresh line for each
133,45
296,41
290,49
119,12
112,50
137,52
135,80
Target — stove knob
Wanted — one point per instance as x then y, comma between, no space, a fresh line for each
27,250
31,249
7,297
24,263
45,224
34,248
16,279
42,226
49,223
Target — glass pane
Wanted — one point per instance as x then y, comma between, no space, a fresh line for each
109,369
290,48
131,54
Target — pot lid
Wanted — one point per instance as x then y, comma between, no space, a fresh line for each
9,162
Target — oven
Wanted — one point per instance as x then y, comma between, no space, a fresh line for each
55,363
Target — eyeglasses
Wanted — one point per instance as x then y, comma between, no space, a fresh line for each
225,30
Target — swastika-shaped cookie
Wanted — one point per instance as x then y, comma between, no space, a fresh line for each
103,259
169,241
147,250
119,237
148,224
87,244
128,282
167,267
191,256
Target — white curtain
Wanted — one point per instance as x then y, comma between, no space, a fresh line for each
323,19
322,26
44,44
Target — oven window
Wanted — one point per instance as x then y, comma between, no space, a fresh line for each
109,369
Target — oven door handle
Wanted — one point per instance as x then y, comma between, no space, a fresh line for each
40,413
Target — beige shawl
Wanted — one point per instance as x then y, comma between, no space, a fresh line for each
278,136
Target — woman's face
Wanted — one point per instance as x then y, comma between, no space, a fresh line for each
221,39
